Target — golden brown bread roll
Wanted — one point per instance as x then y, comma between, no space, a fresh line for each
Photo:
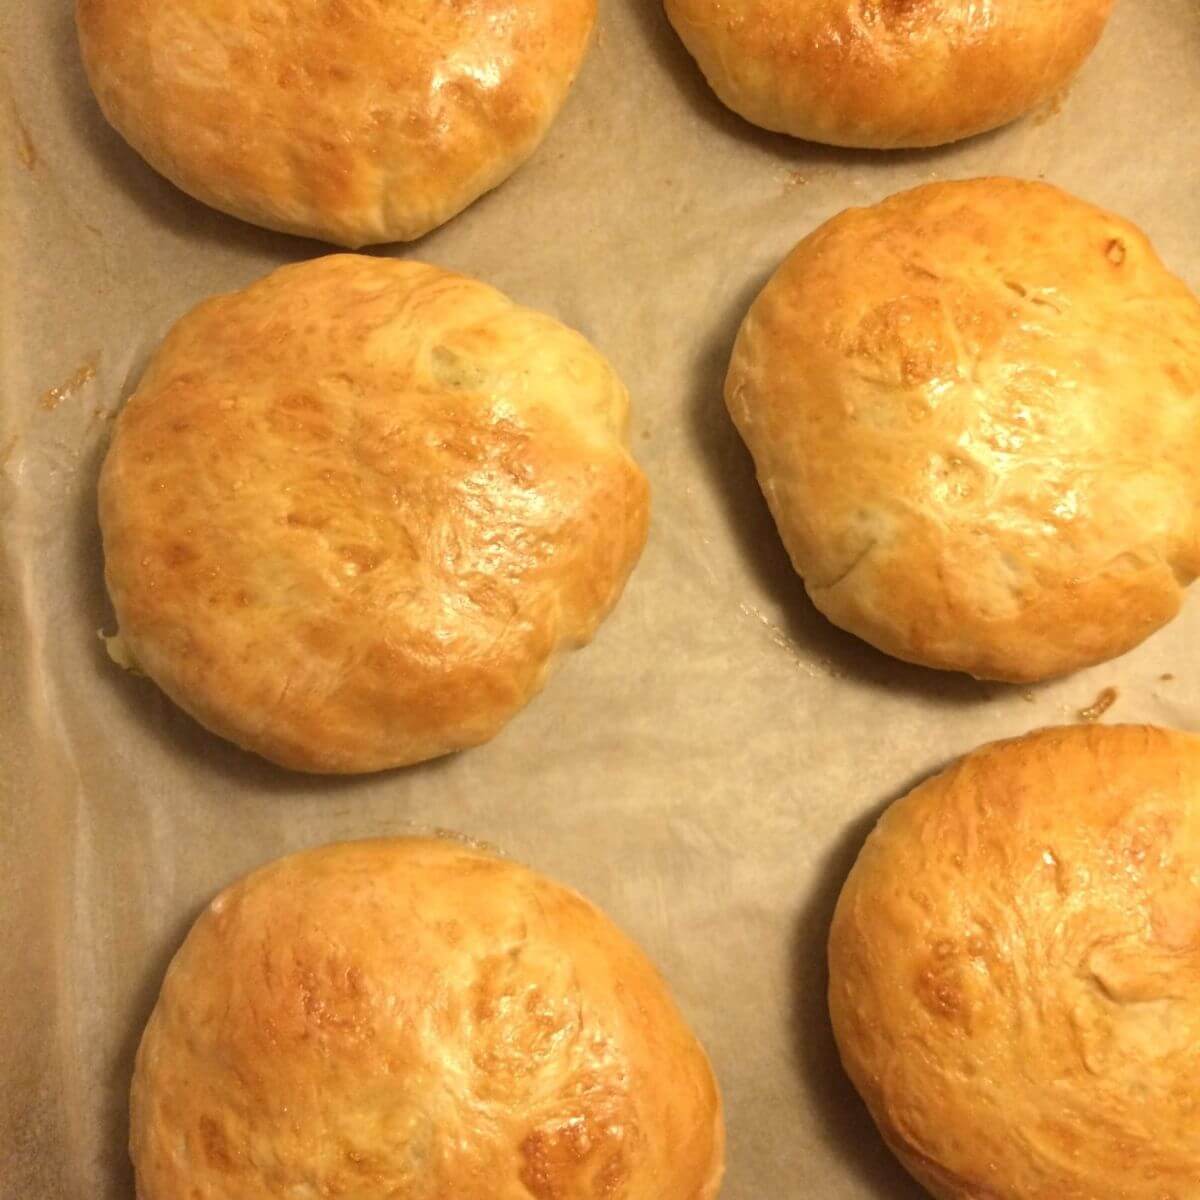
355,121
354,513
417,1020
974,410
883,74
1015,970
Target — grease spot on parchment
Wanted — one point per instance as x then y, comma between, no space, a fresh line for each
780,638
53,397
1052,107
99,416
6,451
26,150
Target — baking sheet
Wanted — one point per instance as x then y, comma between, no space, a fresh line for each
705,771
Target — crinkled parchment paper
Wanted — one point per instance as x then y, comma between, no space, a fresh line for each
706,770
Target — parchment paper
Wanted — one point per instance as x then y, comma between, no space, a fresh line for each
705,771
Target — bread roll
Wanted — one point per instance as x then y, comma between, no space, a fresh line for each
883,74
353,514
1015,970
354,121
975,413
417,1020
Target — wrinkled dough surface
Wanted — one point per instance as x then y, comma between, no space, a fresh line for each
353,514
884,74
416,1020
354,121
1015,970
974,410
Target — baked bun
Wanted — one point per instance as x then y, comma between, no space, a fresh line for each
353,514
354,121
1015,970
883,74
413,1019
975,413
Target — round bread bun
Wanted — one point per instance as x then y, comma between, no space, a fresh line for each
1015,970
416,1020
886,74
974,410
353,514
354,121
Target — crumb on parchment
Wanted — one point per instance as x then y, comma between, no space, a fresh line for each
1098,707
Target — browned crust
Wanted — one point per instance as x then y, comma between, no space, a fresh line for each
412,1018
1015,969
884,74
975,413
353,514
354,121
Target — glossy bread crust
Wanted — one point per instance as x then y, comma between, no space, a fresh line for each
416,1020
353,514
884,74
353,121
974,410
1015,970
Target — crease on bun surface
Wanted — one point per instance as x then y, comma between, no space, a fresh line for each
353,514
353,121
887,74
974,410
1015,969
414,1019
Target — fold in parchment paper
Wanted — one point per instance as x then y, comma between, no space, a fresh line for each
705,771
